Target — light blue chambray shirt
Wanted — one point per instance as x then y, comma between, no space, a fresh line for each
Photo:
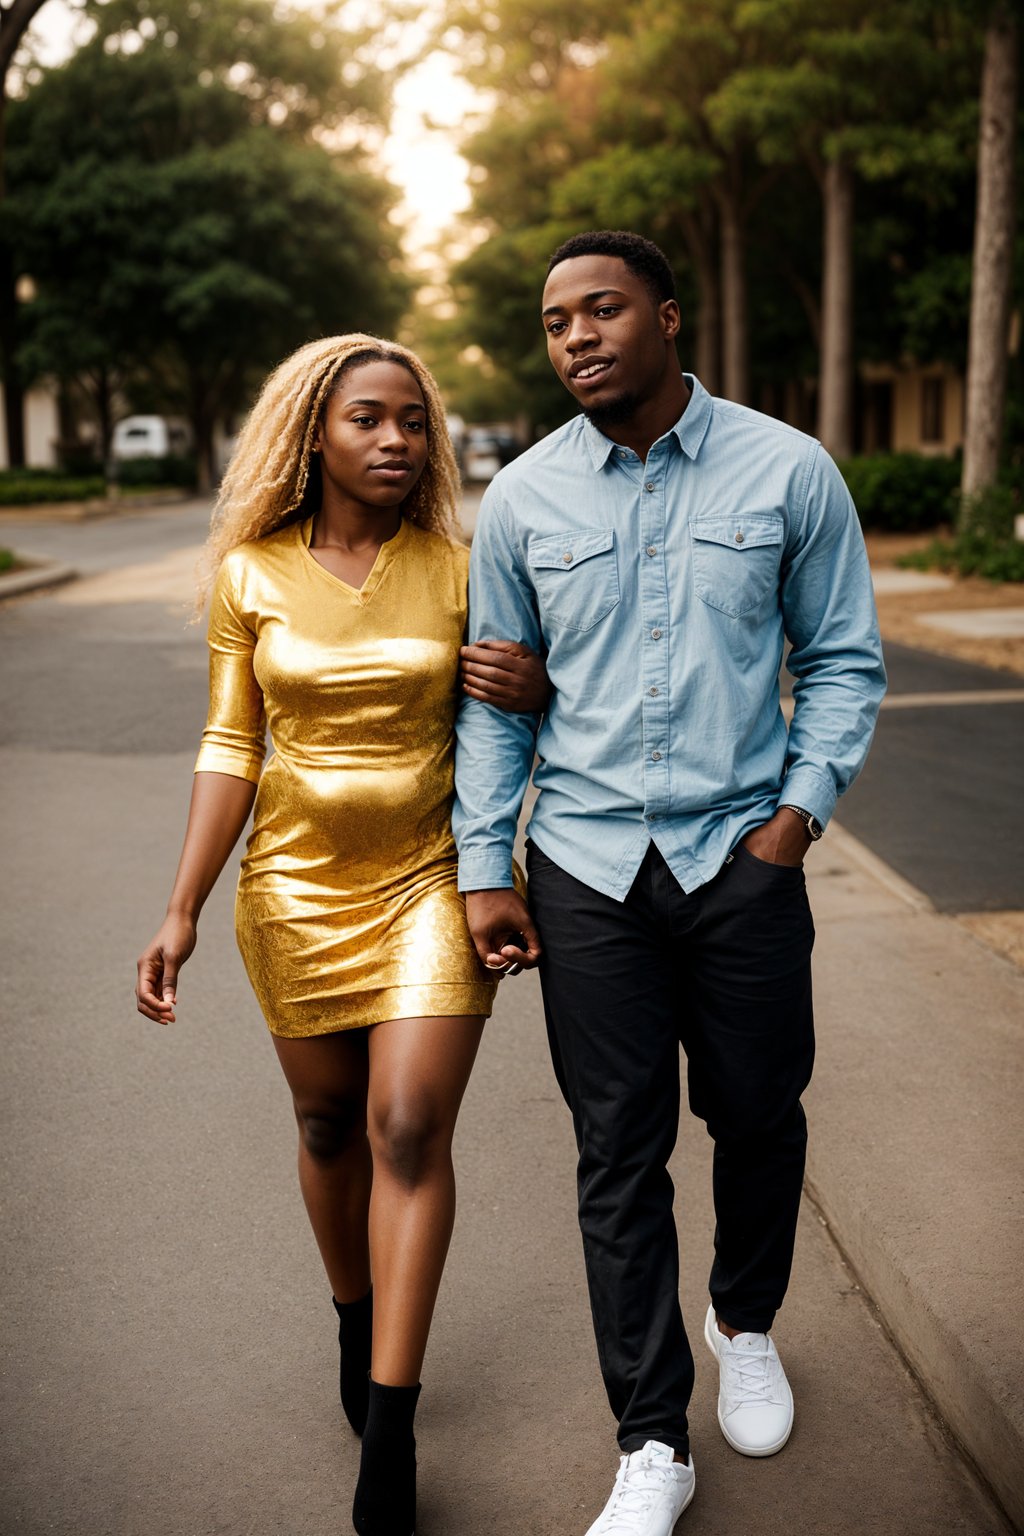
663,593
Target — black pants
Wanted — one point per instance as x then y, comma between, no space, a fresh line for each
726,972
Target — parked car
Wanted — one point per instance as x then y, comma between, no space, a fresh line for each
486,450
150,437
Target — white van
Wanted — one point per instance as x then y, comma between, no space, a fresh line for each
150,437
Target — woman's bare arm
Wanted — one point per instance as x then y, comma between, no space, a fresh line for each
219,810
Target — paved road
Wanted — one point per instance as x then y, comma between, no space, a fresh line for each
168,1336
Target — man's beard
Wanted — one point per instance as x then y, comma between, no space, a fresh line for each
613,412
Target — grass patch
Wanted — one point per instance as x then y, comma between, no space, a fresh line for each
983,543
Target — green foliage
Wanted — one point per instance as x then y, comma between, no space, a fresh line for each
22,488
173,469
184,226
902,492
983,544
6,560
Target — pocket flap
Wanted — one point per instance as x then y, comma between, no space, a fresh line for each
563,551
739,530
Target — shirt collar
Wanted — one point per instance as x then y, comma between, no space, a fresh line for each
690,429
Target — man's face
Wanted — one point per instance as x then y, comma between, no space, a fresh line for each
607,337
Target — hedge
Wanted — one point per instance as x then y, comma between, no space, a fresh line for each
20,488
903,492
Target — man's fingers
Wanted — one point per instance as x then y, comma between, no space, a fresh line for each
484,650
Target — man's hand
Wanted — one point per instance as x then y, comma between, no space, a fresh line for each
506,674
497,917
783,840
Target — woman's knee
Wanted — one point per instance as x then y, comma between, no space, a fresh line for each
328,1132
410,1141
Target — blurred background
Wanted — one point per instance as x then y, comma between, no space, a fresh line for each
190,191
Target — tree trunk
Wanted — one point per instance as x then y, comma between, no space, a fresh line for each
735,348
992,270
835,384
14,389
700,244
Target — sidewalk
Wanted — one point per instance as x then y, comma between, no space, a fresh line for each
916,1144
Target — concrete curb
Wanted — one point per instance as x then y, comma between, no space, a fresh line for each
86,511
915,1149
35,578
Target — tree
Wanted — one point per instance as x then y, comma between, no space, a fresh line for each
992,269
184,233
15,18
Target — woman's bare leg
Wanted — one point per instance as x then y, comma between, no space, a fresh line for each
419,1069
328,1076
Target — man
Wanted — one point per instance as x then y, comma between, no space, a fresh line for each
661,548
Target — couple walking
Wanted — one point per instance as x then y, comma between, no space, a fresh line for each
657,552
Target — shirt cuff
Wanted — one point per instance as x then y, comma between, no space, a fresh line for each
237,764
486,869
811,791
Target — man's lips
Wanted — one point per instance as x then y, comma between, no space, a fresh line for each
587,371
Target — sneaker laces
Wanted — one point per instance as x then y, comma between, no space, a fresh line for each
752,1374
639,1482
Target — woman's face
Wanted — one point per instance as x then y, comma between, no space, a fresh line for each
372,438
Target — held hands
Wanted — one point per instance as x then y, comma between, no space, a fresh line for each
157,989
783,840
506,674
495,918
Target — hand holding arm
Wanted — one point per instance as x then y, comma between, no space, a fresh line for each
506,674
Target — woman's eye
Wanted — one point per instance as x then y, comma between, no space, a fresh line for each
363,421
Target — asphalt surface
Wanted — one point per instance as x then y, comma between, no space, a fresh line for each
168,1335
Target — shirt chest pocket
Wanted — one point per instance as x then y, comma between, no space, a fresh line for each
575,576
736,558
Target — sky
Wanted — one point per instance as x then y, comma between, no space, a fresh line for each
423,162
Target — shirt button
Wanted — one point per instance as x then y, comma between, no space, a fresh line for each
655,634
651,550
653,692
623,453
653,816
567,558
650,486
655,757
739,538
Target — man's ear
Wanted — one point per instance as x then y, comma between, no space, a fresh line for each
670,318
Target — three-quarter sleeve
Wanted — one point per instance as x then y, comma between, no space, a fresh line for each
234,739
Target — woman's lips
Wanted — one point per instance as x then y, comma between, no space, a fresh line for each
392,473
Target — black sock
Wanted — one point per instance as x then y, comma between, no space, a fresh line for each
385,1500
355,1333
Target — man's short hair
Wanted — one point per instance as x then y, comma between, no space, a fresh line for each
642,257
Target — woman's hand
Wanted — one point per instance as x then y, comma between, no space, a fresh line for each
157,989
505,674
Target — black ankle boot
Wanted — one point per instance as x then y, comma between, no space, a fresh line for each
385,1501
355,1332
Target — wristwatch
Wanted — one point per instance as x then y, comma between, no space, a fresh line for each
813,825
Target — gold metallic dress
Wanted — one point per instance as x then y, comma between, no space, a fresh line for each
348,911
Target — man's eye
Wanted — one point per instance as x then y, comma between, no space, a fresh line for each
556,327
607,309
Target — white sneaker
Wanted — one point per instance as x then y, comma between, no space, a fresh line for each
651,1491
755,1404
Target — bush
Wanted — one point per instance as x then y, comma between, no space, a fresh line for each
6,560
174,469
23,487
902,492
983,544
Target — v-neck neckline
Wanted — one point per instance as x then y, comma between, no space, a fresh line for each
374,575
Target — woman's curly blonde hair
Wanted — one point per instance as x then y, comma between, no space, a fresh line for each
267,484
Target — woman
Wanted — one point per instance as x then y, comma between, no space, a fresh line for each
338,608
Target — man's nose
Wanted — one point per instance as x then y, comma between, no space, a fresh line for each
580,334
